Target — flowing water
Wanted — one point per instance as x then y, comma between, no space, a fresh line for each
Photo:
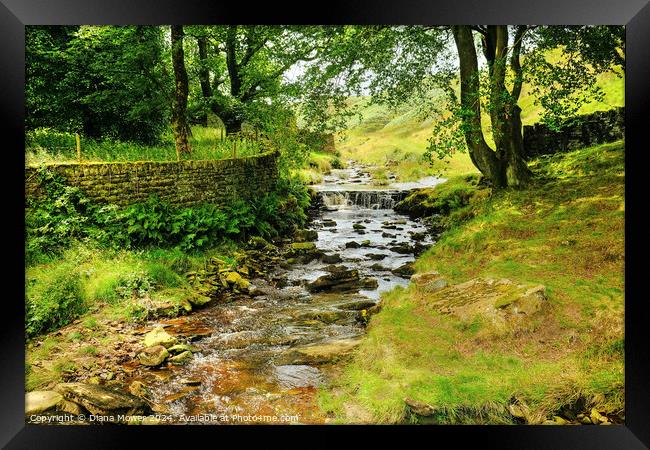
262,359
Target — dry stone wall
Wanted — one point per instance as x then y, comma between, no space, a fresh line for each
182,183
597,128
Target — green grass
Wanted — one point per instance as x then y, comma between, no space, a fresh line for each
398,139
566,231
47,146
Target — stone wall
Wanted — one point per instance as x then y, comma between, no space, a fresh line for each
592,129
179,183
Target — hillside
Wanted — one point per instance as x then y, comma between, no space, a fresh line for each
399,137
454,364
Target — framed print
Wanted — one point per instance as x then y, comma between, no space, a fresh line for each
394,218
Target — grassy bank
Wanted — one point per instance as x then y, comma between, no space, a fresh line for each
49,146
566,232
397,139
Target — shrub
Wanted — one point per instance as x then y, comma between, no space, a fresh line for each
54,304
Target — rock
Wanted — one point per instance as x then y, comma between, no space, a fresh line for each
138,389
358,226
37,402
180,348
596,417
71,408
365,243
198,299
418,236
257,242
329,223
369,283
340,280
326,315
181,358
379,268
237,281
297,376
419,408
190,381
305,235
331,259
100,400
388,235
429,282
320,353
153,356
158,336
352,244
404,271
559,420
376,256
402,249
303,251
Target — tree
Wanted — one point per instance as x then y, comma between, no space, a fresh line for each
105,82
248,63
399,64
180,126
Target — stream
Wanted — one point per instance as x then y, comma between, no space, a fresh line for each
262,359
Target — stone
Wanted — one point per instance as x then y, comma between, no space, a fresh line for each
181,358
305,235
403,249
339,280
158,336
139,389
71,408
320,353
358,226
153,356
369,283
352,244
404,271
376,256
37,402
419,408
179,348
236,280
429,282
198,299
331,259
100,400
192,381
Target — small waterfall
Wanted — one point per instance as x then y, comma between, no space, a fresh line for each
365,199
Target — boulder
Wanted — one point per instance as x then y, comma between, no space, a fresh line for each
429,281
198,299
153,356
100,400
419,408
158,336
331,259
320,353
37,402
305,235
237,281
181,358
179,348
404,271
339,280
402,249
369,283
139,389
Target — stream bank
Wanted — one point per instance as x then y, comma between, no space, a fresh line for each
292,313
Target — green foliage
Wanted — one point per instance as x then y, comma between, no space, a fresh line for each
55,303
65,215
104,81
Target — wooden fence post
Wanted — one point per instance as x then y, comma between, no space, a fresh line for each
77,139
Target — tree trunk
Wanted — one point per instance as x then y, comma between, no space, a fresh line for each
179,111
204,76
504,166
480,153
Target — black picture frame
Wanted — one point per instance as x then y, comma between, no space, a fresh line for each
15,14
